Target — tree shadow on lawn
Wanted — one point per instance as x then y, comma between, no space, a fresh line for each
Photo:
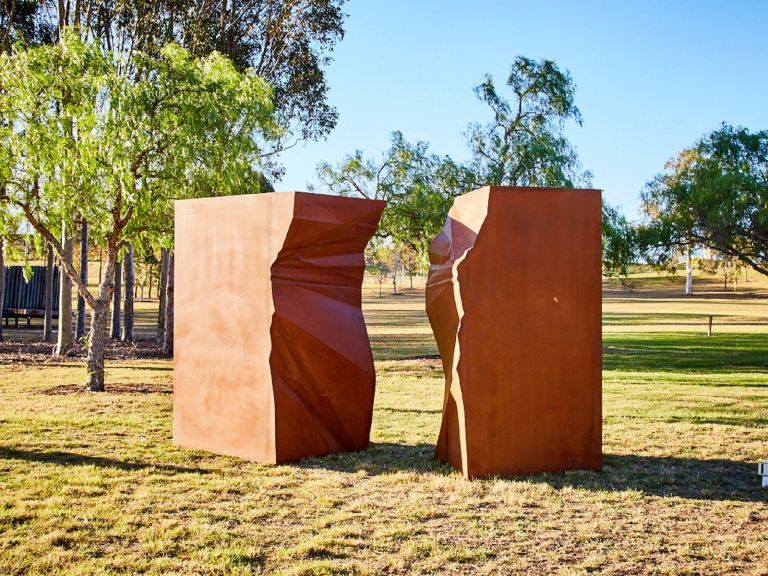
72,459
685,352
661,476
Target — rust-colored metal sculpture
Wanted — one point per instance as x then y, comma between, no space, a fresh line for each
514,300
272,359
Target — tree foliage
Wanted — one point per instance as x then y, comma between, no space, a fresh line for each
23,20
523,144
712,195
82,139
619,243
287,42
417,185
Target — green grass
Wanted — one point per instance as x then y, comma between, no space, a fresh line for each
90,483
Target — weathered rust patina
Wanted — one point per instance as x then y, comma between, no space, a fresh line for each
272,359
514,300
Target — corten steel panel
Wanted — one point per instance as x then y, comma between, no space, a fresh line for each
272,360
514,300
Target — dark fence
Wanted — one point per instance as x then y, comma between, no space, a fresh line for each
27,299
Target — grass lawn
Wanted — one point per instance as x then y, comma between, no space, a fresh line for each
90,483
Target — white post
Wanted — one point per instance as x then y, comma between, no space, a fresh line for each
689,273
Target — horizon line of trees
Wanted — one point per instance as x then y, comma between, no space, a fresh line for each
523,144
713,196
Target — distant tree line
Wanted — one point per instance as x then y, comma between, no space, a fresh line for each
712,197
521,145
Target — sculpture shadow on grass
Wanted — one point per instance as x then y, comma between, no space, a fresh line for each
659,476
73,459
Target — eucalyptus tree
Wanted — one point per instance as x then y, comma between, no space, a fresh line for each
417,185
289,43
25,20
117,291
81,320
48,296
2,283
130,280
162,290
619,243
180,127
523,143
713,195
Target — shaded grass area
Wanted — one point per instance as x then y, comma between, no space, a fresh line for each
725,353
90,483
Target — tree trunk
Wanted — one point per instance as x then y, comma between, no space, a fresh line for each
64,340
80,331
161,291
116,302
100,265
410,274
2,285
688,273
48,313
149,291
129,287
168,341
98,335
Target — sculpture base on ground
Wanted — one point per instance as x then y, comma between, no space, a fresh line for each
514,300
272,360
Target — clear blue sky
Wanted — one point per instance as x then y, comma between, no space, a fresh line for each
651,77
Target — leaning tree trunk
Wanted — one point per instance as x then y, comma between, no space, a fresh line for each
64,340
161,291
99,323
129,287
168,341
2,285
48,298
116,301
80,330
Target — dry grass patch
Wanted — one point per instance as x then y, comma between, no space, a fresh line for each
90,483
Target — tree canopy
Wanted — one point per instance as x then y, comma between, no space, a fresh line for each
83,140
289,43
22,20
619,243
523,144
712,195
418,186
